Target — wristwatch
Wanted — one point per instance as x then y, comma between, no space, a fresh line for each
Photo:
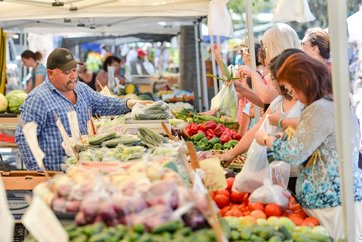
265,139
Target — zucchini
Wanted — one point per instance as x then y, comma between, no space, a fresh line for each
125,140
98,139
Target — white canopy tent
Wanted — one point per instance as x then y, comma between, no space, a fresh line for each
100,16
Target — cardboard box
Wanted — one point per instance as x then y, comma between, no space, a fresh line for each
19,186
24,180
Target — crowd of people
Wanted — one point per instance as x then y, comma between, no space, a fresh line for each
111,74
292,85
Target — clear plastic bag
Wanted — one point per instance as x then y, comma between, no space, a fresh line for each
256,167
155,111
280,173
270,193
226,102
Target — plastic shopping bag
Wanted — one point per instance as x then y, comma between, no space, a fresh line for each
270,193
280,173
226,102
256,167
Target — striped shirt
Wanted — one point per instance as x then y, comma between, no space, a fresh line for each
40,106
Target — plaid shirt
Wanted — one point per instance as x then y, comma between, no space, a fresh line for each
40,106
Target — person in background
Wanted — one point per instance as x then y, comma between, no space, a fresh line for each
102,76
314,144
86,76
38,74
276,39
137,67
287,108
58,94
317,45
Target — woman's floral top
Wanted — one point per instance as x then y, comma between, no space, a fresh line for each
318,185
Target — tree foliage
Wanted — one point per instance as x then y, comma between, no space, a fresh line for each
317,7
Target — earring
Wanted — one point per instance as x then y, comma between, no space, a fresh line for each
290,93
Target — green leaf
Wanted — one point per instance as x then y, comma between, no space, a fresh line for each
217,77
227,73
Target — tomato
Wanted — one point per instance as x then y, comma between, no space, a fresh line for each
310,221
258,214
273,209
224,192
301,213
242,207
237,197
255,206
296,218
221,200
224,210
234,212
230,182
213,194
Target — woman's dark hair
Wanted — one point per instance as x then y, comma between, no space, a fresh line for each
257,48
109,60
30,54
277,62
307,75
320,38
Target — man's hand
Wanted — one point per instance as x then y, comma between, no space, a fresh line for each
131,102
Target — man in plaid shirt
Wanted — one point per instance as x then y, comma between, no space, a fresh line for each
59,93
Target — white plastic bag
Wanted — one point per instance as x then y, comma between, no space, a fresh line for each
256,167
226,102
219,19
270,193
280,173
297,10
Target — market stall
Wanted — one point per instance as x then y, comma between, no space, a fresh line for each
134,178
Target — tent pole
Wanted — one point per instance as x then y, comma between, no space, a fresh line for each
337,14
218,41
213,62
198,75
203,71
250,31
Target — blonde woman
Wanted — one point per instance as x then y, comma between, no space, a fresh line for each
276,39
317,45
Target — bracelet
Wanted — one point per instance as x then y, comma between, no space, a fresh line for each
265,139
280,123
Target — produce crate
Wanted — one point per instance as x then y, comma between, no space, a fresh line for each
18,186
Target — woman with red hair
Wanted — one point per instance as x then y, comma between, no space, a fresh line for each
314,144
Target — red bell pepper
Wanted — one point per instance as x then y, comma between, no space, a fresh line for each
236,136
219,130
210,125
202,127
210,133
225,137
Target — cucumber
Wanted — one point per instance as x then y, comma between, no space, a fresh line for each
100,138
168,227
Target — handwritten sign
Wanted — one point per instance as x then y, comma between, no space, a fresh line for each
6,218
214,177
44,228
31,137
74,127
